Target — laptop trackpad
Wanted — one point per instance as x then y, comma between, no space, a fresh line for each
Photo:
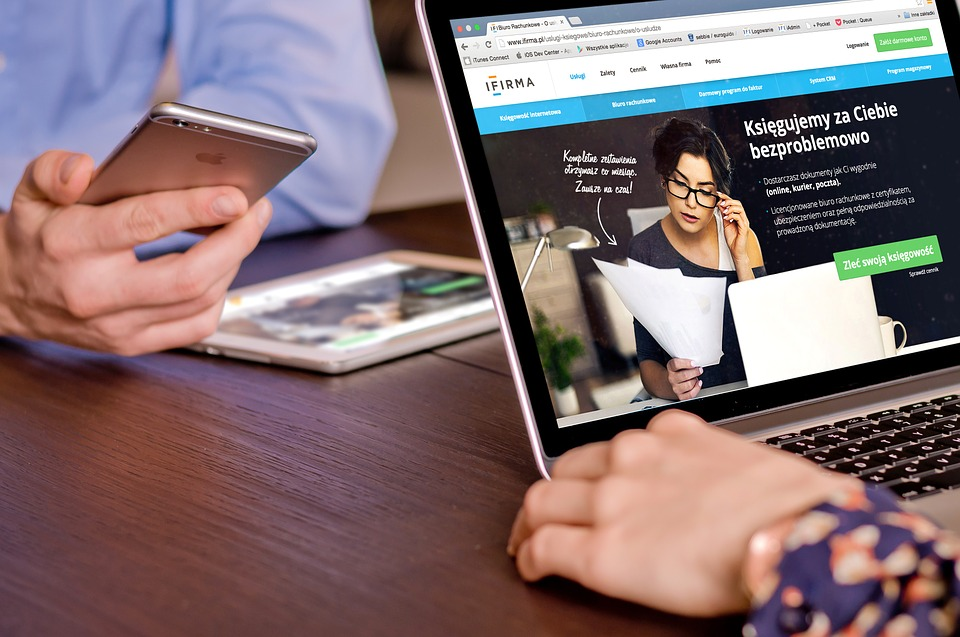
943,508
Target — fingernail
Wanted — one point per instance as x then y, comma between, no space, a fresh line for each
68,167
699,370
513,547
225,206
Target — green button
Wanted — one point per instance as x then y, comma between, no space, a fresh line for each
888,257
899,40
456,284
350,341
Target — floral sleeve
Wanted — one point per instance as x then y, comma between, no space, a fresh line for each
892,574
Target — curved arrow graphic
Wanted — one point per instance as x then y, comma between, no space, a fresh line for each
611,240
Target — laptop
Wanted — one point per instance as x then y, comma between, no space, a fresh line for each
841,121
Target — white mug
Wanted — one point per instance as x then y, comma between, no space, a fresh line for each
888,333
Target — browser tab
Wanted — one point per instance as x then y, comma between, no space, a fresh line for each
531,25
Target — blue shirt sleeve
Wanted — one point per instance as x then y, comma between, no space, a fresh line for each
308,65
80,75
860,565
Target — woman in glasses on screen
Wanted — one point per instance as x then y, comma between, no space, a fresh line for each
706,234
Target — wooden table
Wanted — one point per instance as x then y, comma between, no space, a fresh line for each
180,494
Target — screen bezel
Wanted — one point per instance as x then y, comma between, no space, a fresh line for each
437,19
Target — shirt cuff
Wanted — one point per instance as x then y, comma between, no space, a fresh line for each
859,562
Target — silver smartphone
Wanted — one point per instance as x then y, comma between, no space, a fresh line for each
343,317
175,147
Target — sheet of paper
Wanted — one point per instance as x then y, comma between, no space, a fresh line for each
684,314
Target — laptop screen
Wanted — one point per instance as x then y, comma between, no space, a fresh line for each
719,209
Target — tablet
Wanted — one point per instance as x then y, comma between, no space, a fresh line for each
354,314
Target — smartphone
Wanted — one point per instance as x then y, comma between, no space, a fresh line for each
175,147
344,317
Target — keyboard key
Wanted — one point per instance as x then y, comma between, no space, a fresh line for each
803,447
872,429
926,448
883,415
949,479
929,415
828,456
947,443
913,435
912,490
859,466
860,448
945,427
878,478
891,441
893,474
946,400
904,422
787,437
852,422
907,409
952,410
892,457
836,437
819,429
941,462
905,471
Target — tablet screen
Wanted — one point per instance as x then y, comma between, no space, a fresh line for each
353,309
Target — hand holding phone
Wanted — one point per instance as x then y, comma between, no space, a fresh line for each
69,272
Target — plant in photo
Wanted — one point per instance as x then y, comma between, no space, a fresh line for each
557,348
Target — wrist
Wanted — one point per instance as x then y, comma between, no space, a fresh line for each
766,548
744,272
764,553
741,261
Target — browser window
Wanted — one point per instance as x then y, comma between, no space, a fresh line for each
823,121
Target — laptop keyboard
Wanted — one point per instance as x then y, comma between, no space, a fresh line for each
913,450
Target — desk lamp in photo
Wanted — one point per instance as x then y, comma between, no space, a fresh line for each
565,238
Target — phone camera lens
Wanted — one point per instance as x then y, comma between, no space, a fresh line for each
181,123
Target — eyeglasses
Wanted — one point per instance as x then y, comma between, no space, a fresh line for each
681,190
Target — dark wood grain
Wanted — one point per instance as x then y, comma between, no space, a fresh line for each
179,494
486,352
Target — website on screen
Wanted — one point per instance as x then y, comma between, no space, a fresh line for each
773,192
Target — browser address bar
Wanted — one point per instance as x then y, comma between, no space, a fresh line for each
718,21
573,36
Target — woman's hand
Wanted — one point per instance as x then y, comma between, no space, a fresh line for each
662,517
736,226
741,240
683,375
